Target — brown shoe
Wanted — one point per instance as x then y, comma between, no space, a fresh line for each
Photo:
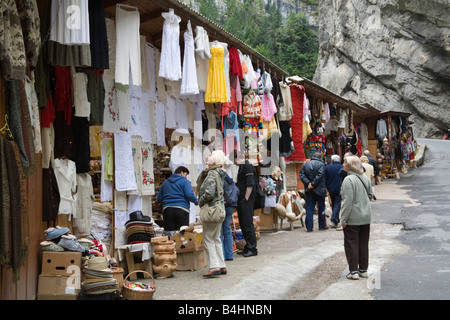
223,270
212,273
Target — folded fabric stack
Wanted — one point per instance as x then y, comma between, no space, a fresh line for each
98,277
139,228
60,239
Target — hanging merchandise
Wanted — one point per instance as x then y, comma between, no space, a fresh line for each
249,76
124,176
231,133
80,99
189,83
30,21
216,89
128,48
84,202
235,63
381,130
34,113
170,63
306,118
297,96
65,173
98,36
315,143
285,109
251,126
18,120
203,54
67,28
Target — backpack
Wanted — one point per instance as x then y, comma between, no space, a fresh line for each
230,191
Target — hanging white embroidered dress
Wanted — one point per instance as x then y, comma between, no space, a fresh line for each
170,63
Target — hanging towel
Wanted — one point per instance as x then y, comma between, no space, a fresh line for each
123,160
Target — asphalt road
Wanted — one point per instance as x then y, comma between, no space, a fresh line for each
423,271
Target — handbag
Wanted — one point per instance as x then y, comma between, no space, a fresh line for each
213,213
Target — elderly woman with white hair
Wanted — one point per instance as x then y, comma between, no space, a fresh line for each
210,184
356,193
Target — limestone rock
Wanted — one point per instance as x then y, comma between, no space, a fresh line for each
393,54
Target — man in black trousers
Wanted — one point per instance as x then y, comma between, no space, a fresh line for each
246,182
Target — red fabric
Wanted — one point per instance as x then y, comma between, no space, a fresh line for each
63,92
297,95
48,114
235,62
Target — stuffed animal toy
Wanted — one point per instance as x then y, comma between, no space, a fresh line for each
291,207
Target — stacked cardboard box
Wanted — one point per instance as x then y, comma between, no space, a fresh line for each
190,250
60,276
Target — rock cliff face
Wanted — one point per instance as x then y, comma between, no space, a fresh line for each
393,54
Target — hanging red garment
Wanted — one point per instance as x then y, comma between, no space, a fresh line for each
63,92
235,62
297,95
48,114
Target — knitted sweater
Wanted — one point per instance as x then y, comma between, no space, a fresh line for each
12,48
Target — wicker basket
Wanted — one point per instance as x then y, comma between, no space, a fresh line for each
118,275
131,294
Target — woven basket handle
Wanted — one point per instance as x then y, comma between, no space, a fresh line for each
143,271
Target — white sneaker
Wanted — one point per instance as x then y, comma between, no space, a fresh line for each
353,276
334,225
363,274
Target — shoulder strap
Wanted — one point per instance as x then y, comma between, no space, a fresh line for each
364,186
216,176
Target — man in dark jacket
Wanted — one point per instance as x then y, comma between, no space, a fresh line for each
333,183
312,175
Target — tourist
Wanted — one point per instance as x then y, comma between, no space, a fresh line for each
175,194
333,183
312,176
356,193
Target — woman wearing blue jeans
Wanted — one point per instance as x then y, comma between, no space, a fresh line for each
227,239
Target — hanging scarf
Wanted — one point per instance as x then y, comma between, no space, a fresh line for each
15,212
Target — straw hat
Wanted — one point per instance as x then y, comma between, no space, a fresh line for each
97,263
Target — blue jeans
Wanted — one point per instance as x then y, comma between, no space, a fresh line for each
227,240
336,207
311,200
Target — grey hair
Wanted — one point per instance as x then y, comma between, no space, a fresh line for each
354,164
335,158
217,157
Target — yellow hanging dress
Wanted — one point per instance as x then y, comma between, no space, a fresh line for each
216,90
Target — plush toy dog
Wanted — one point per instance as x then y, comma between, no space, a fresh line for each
290,206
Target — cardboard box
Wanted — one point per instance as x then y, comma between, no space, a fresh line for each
58,287
60,263
191,260
189,241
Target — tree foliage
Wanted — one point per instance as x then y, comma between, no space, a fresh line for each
291,44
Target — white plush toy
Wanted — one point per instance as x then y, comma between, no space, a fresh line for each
290,206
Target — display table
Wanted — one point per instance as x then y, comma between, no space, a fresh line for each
137,252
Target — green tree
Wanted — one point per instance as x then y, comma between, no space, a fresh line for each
209,9
297,47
